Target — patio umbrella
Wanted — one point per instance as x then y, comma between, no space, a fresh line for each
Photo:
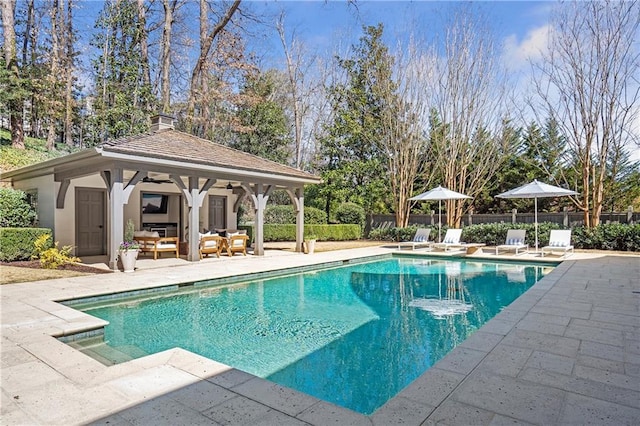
439,193
536,190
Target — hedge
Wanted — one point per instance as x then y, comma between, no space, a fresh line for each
18,243
282,232
614,236
285,214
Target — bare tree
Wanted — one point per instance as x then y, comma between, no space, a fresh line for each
144,43
305,92
169,7
69,80
588,82
58,99
54,71
11,63
403,140
207,37
468,91
293,56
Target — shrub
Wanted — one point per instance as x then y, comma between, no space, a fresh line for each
279,214
314,216
287,232
15,211
284,214
350,213
18,243
612,236
395,234
53,257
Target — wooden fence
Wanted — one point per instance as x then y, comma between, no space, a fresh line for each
566,219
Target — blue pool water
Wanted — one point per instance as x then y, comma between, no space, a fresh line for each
354,335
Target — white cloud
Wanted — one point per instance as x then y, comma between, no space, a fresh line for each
518,54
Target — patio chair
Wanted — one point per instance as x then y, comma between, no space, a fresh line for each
451,239
152,242
210,244
421,238
237,243
559,240
514,241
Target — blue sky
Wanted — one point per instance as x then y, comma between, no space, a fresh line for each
324,25
519,25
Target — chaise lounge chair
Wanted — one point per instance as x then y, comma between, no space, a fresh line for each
514,241
421,238
559,240
451,239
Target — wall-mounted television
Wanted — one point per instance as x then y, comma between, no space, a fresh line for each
154,203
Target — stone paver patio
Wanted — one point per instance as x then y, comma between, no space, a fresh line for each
565,352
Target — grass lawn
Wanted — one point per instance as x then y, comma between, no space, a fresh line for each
16,274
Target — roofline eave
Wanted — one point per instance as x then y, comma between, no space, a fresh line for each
239,173
48,166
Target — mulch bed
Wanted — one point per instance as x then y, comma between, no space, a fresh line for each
35,264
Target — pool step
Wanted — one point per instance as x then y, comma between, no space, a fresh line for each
105,354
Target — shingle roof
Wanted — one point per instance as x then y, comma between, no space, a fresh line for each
178,146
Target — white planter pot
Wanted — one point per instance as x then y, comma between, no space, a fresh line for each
309,246
128,259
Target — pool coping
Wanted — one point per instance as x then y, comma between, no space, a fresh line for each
124,393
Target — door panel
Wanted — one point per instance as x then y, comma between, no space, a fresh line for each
217,212
90,222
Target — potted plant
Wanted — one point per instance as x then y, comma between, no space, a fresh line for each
310,243
128,252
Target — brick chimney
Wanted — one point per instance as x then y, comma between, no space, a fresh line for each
162,121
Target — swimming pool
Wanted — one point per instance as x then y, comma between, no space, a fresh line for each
354,335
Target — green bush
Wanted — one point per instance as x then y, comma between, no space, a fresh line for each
350,213
615,236
15,211
493,234
314,216
397,234
279,214
285,214
18,243
280,232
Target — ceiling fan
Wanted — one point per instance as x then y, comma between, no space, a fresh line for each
148,179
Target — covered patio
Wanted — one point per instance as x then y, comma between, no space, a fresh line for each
87,197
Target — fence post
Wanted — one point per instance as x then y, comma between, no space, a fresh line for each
470,217
565,217
630,215
514,216
433,219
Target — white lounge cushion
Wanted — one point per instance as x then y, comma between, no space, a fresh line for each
166,246
146,234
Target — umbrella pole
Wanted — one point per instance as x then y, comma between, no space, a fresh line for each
535,213
439,220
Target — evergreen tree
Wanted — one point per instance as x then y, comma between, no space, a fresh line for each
353,167
263,129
